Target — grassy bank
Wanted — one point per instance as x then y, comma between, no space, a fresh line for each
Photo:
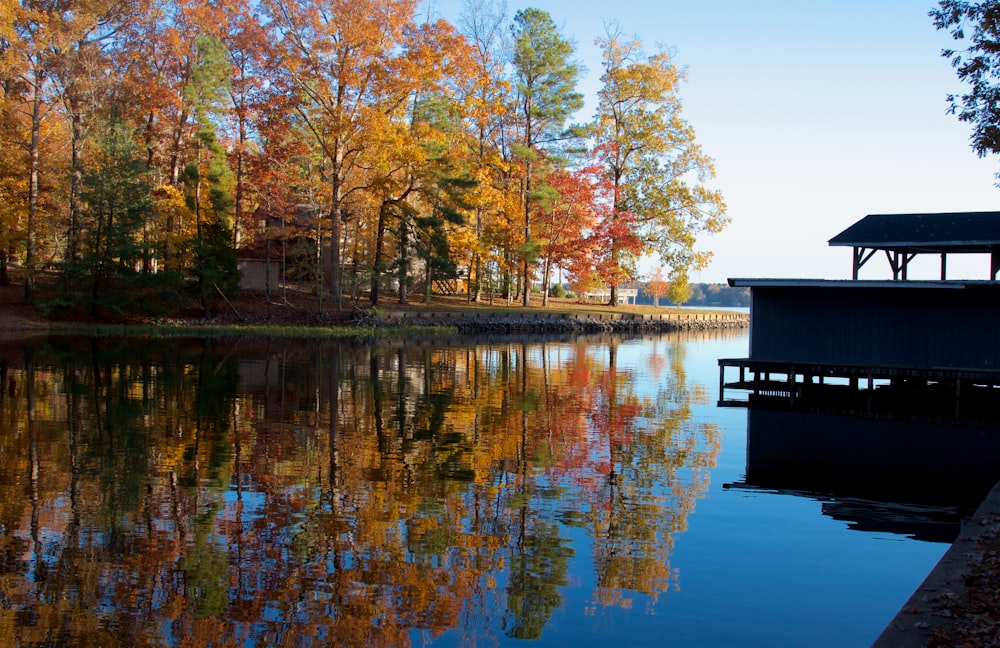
299,314
252,330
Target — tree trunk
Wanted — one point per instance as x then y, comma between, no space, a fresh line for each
476,294
33,189
476,267
336,206
203,289
318,287
428,279
401,277
527,229
238,198
175,150
101,249
377,265
614,282
546,277
149,140
76,178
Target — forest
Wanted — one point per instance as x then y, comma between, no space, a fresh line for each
147,147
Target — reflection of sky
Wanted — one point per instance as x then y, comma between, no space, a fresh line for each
774,563
253,502
701,354
753,568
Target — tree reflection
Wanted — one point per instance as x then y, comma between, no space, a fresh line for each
211,493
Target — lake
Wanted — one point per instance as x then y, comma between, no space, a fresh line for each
587,492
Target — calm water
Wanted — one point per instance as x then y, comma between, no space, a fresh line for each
276,493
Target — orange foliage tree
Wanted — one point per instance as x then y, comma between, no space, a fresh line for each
657,286
567,210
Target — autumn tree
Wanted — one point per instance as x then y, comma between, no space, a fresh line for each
656,168
488,119
84,90
679,290
174,71
246,43
614,243
415,130
566,212
657,286
13,181
365,134
545,75
37,29
335,58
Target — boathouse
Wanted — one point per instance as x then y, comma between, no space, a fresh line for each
938,335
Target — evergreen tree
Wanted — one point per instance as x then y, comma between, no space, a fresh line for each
546,77
116,195
218,269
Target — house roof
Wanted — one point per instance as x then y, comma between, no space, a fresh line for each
943,232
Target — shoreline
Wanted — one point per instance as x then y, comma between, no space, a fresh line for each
947,609
20,322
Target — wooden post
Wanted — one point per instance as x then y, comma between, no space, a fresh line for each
893,263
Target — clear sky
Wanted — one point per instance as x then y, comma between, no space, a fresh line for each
816,113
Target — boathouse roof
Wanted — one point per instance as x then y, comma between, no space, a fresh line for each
903,236
942,232
743,282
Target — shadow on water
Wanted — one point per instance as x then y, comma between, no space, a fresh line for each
888,471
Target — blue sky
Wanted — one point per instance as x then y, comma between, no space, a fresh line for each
816,113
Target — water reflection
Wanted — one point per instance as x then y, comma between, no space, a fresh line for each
918,477
276,493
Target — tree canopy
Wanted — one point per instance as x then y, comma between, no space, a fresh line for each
975,26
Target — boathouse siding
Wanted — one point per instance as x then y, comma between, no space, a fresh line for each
917,325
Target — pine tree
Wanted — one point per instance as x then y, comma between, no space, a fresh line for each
116,195
546,78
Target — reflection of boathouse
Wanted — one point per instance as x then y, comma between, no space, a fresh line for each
878,397
908,476
931,337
